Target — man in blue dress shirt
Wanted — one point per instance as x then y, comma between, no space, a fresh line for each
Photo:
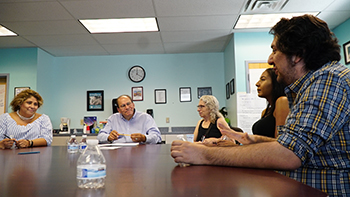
129,125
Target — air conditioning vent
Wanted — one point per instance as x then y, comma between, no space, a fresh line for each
263,6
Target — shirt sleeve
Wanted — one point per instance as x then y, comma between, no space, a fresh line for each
2,126
319,112
104,133
153,135
46,129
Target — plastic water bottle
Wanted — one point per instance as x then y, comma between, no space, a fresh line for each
182,137
72,144
82,144
91,167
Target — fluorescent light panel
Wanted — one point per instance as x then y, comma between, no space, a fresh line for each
120,25
6,32
264,20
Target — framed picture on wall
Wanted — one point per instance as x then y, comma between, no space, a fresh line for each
95,100
204,91
185,94
160,96
228,90
346,48
20,89
232,86
137,93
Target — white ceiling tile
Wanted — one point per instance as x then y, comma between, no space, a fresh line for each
46,27
195,36
110,8
75,50
137,48
15,41
29,11
63,40
120,38
192,23
197,7
339,5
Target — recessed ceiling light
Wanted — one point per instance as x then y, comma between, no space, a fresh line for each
6,32
120,25
264,20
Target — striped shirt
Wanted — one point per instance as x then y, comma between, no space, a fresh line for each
39,128
317,129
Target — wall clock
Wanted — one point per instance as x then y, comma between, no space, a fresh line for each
137,73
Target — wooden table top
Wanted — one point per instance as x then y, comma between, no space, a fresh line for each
144,170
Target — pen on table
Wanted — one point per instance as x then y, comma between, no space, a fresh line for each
32,152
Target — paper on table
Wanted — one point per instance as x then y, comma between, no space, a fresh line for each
118,144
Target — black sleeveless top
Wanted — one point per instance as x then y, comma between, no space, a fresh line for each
213,132
265,126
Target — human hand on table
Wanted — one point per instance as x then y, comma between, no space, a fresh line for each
243,138
187,152
23,143
114,135
138,137
7,143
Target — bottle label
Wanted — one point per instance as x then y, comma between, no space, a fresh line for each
91,171
83,146
73,147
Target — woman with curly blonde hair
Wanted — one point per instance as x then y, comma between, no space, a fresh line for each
208,109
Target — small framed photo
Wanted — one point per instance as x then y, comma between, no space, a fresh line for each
232,86
20,89
185,94
95,100
137,93
160,96
228,91
346,48
204,91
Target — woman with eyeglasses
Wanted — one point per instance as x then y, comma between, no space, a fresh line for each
208,109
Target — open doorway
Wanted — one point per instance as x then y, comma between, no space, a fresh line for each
4,82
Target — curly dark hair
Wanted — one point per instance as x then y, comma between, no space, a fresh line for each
277,91
307,37
24,95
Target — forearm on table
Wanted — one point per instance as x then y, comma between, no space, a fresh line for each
269,155
39,142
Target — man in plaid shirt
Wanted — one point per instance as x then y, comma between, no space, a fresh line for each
313,146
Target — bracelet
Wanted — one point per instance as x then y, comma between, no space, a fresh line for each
30,143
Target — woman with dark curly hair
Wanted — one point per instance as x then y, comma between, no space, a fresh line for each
24,127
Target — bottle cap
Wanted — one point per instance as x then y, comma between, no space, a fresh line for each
84,135
92,141
73,136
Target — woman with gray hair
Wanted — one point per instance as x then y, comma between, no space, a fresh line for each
208,109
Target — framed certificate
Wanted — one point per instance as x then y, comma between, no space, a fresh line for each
185,94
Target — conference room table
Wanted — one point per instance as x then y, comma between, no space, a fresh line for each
143,170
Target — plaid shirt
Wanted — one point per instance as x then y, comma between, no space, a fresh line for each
317,129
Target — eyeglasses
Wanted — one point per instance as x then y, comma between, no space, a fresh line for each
200,106
124,105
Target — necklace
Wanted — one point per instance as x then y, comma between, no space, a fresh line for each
24,118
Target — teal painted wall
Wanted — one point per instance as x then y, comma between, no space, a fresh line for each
21,64
343,35
63,82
